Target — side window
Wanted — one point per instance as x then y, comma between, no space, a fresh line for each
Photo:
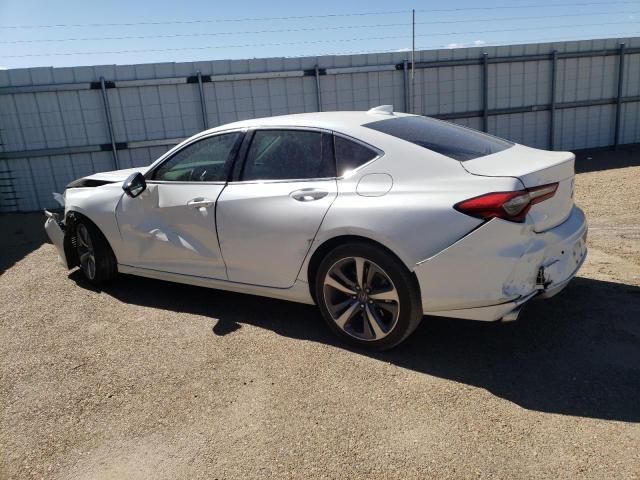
350,155
207,160
287,155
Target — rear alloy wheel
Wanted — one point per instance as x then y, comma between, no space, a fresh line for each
367,296
361,298
95,257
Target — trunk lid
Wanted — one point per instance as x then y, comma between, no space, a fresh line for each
533,168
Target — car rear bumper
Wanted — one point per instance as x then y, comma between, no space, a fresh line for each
55,231
499,266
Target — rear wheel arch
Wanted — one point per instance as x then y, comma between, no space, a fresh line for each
328,245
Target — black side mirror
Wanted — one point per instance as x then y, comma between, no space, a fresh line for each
134,185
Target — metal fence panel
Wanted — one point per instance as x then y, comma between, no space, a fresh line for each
526,128
54,124
585,127
630,123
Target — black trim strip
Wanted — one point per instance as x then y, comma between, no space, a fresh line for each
98,86
194,78
107,147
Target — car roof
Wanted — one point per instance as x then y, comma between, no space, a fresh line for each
340,121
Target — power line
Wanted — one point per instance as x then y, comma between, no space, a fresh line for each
535,5
248,45
487,43
211,20
309,42
179,35
292,30
497,19
550,27
491,43
304,17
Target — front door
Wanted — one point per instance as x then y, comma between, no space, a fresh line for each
268,219
171,226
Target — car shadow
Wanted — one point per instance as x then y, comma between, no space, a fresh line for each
22,233
607,158
576,354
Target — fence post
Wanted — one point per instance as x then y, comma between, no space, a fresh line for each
203,104
107,110
485,91
318,90
554,66
616,137
405,72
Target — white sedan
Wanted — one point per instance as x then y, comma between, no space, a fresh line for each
377,217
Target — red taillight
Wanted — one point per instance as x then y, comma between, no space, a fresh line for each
512,206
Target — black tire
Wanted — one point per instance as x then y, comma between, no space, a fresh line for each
400,325
105,264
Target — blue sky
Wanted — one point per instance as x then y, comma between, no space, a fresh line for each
159,30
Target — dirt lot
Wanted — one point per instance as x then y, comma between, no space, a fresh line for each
152,380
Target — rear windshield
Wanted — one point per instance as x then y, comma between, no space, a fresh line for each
454,141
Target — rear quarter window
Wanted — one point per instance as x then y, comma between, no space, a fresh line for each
454,141
350,155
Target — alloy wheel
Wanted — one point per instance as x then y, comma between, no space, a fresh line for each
361,298
86,252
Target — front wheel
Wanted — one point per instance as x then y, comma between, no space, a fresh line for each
367,296
96,259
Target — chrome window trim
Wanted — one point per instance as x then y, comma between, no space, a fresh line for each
287,180
249,129
182,182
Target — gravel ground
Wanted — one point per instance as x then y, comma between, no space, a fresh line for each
146,379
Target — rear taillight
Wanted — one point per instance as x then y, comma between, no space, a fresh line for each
512,206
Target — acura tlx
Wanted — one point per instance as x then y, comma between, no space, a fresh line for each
376,217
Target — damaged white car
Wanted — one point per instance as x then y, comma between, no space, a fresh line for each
377,217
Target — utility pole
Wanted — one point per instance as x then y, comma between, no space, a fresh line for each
413,58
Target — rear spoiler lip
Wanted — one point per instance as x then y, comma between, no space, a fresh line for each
512,163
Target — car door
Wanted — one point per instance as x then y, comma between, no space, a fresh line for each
269,216
171,226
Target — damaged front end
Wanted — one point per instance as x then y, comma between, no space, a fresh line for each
56,231
59,232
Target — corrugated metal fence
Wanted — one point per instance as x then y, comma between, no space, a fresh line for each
58,124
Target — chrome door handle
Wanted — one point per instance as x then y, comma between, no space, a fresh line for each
200,202
308,194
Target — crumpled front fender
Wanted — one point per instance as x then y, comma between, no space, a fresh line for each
56,233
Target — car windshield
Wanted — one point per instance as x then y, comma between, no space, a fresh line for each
454,141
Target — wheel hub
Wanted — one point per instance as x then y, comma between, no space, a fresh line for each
361,298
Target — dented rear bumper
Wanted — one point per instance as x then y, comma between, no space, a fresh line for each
501,265
55,229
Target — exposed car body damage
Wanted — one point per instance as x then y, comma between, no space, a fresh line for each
56,230
500,262
87,182
433,211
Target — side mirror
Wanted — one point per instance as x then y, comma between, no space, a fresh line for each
134,185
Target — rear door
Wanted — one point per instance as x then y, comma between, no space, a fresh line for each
269,215
171,226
